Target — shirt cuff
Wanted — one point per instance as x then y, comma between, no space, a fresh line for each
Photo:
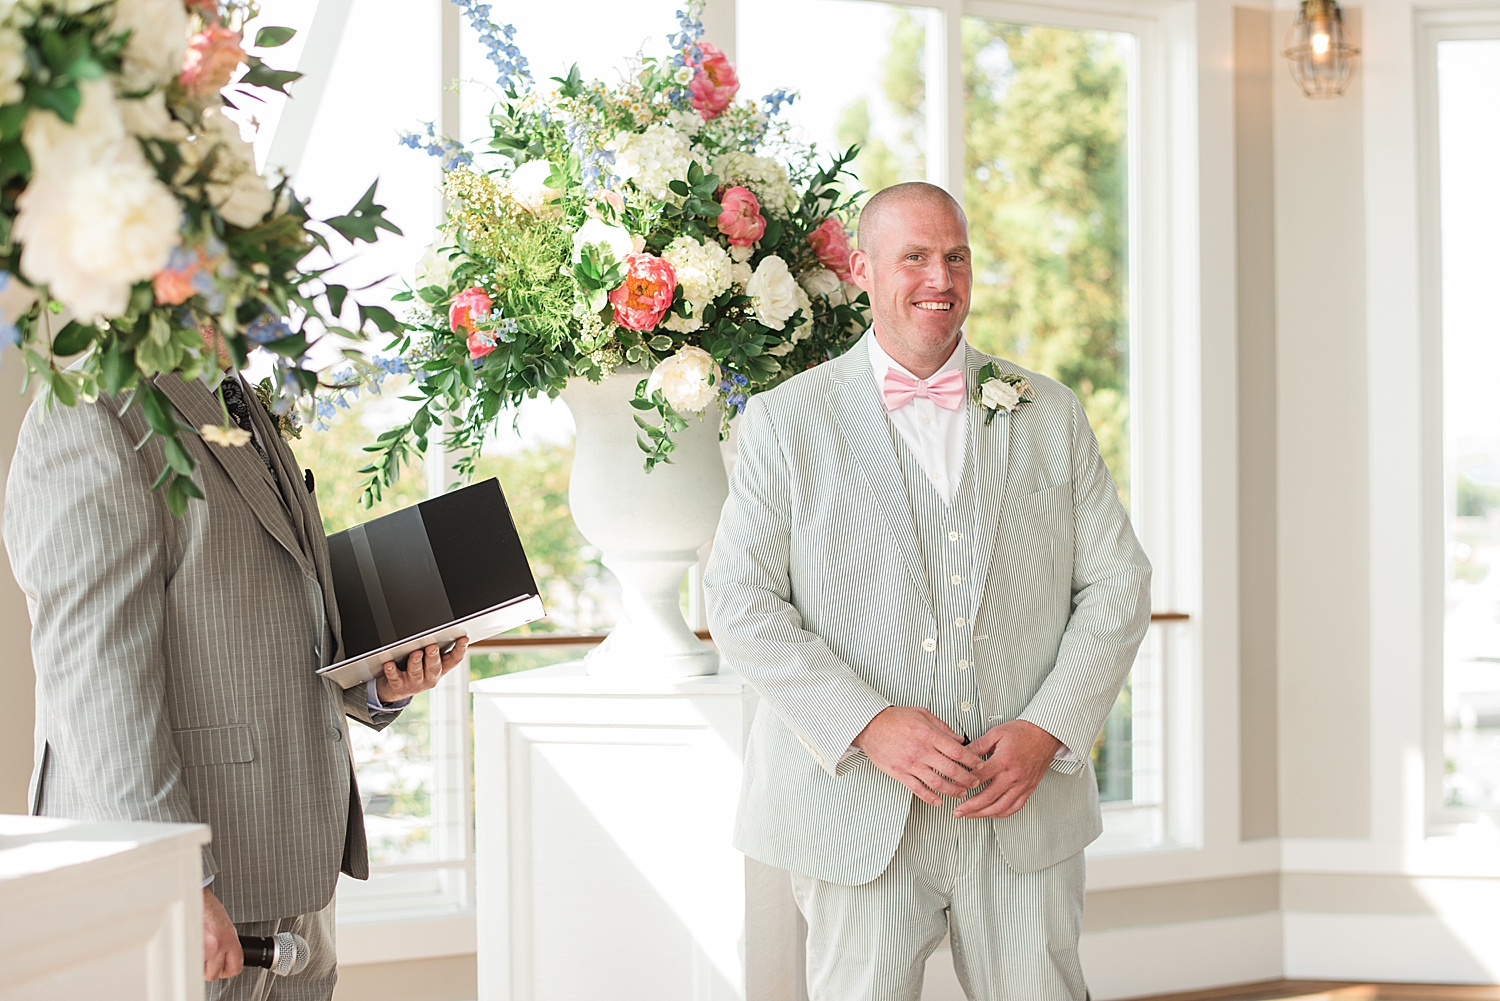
206,881
372,699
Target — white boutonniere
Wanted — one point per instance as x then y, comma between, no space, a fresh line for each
1000,392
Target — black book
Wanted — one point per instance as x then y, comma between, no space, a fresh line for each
447,567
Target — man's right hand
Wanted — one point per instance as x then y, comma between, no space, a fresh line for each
222,955
918,750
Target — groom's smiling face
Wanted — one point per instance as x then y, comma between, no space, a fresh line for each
914,261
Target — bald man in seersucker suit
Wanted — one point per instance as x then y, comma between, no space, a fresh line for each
938,600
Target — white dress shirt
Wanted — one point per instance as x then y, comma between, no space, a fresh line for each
938,438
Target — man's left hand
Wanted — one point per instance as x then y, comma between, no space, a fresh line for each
424,669
1019,755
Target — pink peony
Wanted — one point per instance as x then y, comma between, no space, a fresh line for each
645,295
470,308
715,83
740,219
213,55
831,243
481,343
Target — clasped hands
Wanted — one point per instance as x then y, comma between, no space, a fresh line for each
919,750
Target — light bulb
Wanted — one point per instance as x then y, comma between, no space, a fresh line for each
1320,44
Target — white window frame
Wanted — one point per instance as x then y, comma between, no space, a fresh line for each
1435,25
1166,433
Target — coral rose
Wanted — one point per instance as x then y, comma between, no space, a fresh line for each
470,308
645,295
715,83
831,243
212,57
740,220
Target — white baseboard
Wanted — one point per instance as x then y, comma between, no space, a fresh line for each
1161,959
362,942
1422,948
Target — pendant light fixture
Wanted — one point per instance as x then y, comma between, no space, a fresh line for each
1317,50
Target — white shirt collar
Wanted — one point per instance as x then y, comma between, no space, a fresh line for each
881,362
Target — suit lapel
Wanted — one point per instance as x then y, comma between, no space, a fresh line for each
242,465
862,423
990,453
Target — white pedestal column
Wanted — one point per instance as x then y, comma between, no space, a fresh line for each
605,809
109,910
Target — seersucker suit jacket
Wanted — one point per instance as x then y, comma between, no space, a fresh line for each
176,658
817,595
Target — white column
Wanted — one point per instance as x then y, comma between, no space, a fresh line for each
605,865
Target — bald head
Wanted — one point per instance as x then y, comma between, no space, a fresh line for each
878,208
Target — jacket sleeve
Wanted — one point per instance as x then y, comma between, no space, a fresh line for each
747,587
1111,607
89,544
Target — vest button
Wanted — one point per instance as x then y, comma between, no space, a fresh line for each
956,580
965,706
959,622
963,665
335,734
952,536
929,644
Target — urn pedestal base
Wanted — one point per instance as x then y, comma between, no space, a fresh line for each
604,816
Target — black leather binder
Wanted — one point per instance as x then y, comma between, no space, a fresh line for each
447,567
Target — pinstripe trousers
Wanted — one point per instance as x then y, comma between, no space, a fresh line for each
1014,935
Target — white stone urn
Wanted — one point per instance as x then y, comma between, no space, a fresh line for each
647,526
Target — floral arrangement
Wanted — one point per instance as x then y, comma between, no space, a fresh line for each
1000,392
660,226
134,225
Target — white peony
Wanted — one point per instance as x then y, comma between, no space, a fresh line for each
528,188
148,118
821,281
775,292
596,232
804,328
158,41
94,219
434,267
689,123
703,271
12,65
997,394
687,380
762,175
652,159
236,188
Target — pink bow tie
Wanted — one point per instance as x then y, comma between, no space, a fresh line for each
946,389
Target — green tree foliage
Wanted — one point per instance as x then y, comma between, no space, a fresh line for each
1045,127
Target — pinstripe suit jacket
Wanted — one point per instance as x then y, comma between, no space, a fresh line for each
175,658
817,594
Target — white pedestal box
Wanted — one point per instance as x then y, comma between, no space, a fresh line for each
604,814
107,912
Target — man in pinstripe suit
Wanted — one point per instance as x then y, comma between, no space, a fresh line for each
938,603
176,662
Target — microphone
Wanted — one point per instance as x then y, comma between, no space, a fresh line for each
283,954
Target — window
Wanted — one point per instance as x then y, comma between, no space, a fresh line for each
1462,74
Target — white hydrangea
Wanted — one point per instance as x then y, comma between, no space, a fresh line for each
599,233
94,219
652,159
148,118
236,189
687,379
158,41
528,188
704,271
435,267
689,123
775,292
740,274
762,175
12,65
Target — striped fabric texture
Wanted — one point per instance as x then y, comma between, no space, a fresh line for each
819,594
1014,935
175,658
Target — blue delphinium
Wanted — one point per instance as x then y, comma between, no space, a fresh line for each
684,41
499,41
733,388
266,328
778,99
451,150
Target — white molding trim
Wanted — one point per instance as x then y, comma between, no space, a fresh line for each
299,115
409,938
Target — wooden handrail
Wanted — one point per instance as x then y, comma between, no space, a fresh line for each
594,639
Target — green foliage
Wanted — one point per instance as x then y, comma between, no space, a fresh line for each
1476,500
1045,192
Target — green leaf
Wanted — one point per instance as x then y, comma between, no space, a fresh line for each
270,38
261,75
11,117
62,388
117,367
381,317
64,100
73,338
661,342
336,296
178,457
363,220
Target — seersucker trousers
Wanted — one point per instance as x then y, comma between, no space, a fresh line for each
1014,935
